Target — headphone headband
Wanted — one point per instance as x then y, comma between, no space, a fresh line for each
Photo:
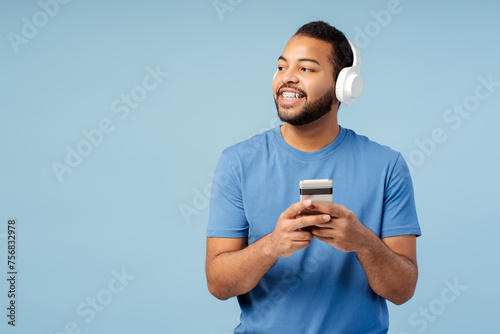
356,61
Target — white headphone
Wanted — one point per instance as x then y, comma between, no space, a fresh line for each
349,83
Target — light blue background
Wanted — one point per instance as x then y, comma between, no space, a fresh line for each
121,207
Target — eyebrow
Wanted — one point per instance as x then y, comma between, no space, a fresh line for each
301,59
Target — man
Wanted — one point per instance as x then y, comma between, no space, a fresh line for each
325,273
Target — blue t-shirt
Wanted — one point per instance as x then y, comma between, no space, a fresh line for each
318,289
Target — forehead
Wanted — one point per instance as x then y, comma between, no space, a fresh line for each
300,47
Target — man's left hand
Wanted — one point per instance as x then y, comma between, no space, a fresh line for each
344,231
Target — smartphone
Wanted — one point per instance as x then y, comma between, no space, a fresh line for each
318,191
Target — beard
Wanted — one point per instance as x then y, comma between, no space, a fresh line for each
310,112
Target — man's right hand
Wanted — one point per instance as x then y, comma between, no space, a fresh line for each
234,268
287,236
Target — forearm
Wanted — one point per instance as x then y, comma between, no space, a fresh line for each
235,273
390,275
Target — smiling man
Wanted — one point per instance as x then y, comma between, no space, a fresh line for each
326,273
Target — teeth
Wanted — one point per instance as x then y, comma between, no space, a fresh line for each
290,96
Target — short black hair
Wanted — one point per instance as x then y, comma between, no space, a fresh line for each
341,55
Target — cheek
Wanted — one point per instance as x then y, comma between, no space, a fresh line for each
314,92
317,91
275,86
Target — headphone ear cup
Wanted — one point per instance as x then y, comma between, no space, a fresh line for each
349,85
339,85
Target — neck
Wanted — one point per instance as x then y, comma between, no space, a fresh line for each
313,136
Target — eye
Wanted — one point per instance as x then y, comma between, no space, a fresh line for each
305,69
281,68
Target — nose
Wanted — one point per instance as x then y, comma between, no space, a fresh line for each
289,76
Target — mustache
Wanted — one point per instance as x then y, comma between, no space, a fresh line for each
291,87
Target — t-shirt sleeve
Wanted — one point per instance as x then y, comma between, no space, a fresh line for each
399,213
227,217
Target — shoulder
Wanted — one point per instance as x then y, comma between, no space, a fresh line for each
370,149
250,147
382,163
374,158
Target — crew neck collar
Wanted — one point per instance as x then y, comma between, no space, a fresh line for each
316,155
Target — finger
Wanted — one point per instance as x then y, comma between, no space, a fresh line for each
334,210
295,208
311,220
327,240
302,244
321,231
301,235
